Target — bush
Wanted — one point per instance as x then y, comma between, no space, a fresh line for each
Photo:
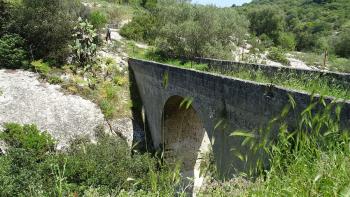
342,45
47,26
98,19
27,137
20,173
287,41
55,80
277,54
31,167
12,53
120,80
140,28
266,42
107,164
267,20
5,16
117,14
22,167
41,67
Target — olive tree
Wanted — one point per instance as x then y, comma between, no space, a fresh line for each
47,26
187,30
267,20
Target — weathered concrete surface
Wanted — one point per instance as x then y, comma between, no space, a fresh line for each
185,139
235,104
26,100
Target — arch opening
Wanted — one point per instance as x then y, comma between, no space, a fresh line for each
184,137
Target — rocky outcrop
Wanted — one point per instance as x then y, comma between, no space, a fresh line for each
26,100
128,129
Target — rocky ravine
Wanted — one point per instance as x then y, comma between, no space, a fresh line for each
26,100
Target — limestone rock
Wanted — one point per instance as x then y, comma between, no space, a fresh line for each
129,130
26,100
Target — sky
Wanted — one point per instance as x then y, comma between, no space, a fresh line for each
221,3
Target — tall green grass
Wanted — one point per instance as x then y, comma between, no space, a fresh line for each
311,160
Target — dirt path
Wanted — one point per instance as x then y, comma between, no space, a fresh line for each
26,100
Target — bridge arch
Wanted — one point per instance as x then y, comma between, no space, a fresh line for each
184,137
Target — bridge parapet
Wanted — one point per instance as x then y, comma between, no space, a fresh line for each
226,66
237,104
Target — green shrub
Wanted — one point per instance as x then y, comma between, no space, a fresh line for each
277,54
22,167
28,137
41,67
103,168
187,30
287,41
267,20
98,19
117,14
55,80
5,16
20,173
140,28
47,40
267,42
342,44
120,80
12,53
107,164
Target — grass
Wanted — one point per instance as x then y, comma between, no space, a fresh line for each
311,160
340,64
310,83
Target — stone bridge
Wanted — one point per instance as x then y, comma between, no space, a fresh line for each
188,111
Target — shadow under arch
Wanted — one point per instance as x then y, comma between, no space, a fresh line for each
184,137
